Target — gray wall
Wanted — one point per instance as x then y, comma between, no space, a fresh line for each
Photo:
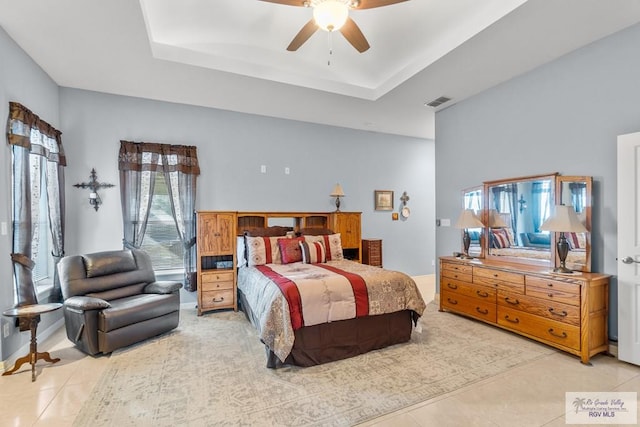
562,117
231,149
23,81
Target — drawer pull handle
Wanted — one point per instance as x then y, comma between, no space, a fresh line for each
509,301
495,274
452,286
482,294
452,301
508,319
563,335
485,311
563,314
218,300
550,285
550,295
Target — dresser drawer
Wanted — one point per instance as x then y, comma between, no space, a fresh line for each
467,289
502,280
544,283
498,276
475,307
554,295
456,268
540,327
457,271
217,299
540,307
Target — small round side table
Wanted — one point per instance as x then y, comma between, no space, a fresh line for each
32,313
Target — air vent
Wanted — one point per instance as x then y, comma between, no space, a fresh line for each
438,101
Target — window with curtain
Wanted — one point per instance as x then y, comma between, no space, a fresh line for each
38,163
158,182
161,240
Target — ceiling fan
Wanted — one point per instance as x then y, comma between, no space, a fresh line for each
331,15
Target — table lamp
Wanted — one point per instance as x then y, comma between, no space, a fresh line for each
337,193
467,220
563,220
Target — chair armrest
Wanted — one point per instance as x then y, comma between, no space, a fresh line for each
162,287
86,303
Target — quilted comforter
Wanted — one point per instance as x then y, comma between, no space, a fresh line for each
318,293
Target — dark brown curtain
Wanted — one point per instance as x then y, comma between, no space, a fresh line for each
138,164
37,157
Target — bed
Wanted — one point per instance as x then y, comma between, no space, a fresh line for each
311,306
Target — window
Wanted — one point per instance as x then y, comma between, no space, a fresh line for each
41,243
161,240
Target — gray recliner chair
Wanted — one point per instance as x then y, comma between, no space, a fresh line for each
112,300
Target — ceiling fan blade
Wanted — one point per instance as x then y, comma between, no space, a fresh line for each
303,35
352,33
287,2
370,4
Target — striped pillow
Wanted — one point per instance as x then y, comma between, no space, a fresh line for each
500,238
313,252
332,244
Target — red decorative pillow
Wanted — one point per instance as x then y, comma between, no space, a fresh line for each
290,250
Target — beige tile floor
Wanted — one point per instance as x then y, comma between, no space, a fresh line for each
529,395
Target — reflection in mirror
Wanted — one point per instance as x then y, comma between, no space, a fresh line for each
576,191
472,199
517,208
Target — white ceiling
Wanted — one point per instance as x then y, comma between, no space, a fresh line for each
230,54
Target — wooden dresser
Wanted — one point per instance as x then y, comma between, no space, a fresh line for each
372,252
568,312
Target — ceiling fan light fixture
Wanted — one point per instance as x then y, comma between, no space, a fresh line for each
330,15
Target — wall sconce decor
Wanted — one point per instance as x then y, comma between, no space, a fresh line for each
523,203
337,193
405,211
94,186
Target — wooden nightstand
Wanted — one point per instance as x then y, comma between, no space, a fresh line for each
372,252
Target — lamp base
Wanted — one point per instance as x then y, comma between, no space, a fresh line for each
562,270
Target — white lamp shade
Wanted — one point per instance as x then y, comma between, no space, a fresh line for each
337,191
495,220
330,15
468,219
564,219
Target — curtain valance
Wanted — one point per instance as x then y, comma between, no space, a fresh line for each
148,156
46,142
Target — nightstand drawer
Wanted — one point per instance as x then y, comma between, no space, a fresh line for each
220,276
217,299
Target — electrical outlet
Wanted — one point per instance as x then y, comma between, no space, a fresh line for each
6,330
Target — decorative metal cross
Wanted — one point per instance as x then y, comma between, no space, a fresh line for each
404,198
94,186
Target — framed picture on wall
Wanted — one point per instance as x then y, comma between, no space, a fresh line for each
383,200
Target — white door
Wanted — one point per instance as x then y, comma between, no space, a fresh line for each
629,248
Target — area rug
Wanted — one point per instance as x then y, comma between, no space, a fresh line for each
211,371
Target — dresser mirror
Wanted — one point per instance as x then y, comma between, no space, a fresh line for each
576,191
472,198
515,210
